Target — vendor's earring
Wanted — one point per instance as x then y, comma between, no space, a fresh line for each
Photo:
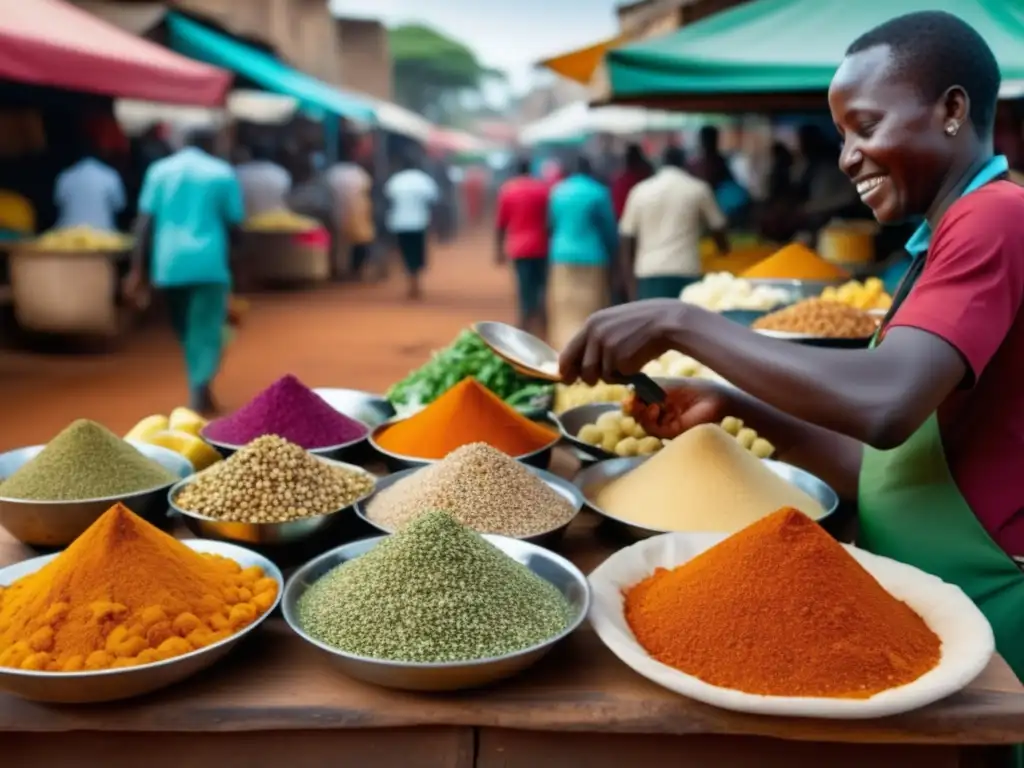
952,128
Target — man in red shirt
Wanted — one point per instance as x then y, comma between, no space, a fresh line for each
522,237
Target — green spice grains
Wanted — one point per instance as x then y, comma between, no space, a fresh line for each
482,488
272,481
85,461
433,592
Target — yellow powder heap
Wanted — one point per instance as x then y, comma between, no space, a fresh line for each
125,594
794,262
704,480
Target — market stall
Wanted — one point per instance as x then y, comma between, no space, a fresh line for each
459,636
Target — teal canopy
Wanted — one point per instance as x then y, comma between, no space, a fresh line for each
788,46
197,41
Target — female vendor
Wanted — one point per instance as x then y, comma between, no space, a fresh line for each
927,427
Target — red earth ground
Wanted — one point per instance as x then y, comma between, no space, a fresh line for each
362,336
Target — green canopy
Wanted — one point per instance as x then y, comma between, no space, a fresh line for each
788,46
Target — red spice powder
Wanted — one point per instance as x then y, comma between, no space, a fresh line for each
781,609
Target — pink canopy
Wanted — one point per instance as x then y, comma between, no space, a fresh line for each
52,43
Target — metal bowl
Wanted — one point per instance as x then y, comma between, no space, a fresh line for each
373,410
860,342
113,684
548,538
266,535
570,423
338,452
449,676
396,462
799,289
50,524
591,480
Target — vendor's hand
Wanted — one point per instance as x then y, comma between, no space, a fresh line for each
619,341
687,406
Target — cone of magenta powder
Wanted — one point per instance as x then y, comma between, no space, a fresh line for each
289,409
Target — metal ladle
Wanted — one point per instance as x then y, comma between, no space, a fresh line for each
532,357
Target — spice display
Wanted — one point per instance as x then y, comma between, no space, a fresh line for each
704,480
466,413
280,220
85,461
867,295
795,262
125,594
291,410
481,488
721,292
273,481
433,592
781,609
624,431
575,395
817,317
179,433
675,364
83,238
468,356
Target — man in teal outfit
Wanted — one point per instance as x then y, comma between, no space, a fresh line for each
189,211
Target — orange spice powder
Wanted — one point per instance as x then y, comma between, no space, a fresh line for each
466,413
781,609
794,262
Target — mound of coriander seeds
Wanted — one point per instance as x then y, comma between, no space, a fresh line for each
433,592
481,487
272,481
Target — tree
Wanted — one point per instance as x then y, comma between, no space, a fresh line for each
432,73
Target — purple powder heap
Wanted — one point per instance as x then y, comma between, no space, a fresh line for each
288,409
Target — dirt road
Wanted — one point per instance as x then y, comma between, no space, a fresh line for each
363,336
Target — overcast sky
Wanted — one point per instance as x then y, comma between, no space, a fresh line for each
508,34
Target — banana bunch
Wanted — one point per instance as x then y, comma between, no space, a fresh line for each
82,238
867,295
178,432
280,220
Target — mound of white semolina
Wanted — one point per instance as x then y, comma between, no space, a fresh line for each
703,481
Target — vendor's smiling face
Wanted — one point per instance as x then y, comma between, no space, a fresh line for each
894,146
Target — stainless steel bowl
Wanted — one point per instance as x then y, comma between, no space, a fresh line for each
291,533
591,480
114,684
448,676
57,523
860,342
799,289
396,462
338,452
373,410
570,423
548,538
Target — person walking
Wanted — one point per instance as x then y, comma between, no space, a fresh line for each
352,187
635,168
522,237
411,196
581,252
189,212
89,194
661,229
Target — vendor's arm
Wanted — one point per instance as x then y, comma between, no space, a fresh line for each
941,338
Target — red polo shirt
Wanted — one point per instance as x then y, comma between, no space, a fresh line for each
970,295
523,215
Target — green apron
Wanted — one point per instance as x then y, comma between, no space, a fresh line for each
911,510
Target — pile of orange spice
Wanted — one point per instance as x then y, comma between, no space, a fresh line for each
466,413
126,594
781,609
794,262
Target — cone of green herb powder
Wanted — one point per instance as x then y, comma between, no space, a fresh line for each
433,592
85,461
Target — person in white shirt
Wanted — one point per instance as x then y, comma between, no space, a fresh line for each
411,196
265,184
661,228
89,194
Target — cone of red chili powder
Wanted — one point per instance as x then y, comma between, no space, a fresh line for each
288,409
781,609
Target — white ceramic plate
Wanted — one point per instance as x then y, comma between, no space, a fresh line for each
967,640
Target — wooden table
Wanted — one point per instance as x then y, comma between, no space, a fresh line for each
279,702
